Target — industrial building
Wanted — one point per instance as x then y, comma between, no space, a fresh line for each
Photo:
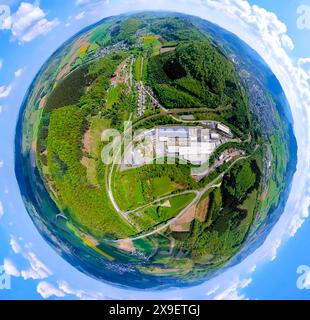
190,144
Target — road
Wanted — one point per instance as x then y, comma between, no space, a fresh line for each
109,183
180,110
130,72
197,110
141,70
171,112
199,194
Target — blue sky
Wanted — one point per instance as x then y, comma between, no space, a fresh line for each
27,40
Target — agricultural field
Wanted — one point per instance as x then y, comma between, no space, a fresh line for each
134,188
138,66
154,215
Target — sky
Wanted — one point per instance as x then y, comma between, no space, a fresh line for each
33,30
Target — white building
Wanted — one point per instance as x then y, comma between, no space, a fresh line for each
223,128
215,136
190,144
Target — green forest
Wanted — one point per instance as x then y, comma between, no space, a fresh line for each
231,211
195,75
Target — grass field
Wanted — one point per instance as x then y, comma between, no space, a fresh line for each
97,126
152,43
137,187
249,205
277,181
93,47
100,36
113,96
92,159
144,245
137,69
145,66
176,205
128,192
162,186
162,212
280,153
91,172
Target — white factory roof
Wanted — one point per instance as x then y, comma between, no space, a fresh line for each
181,132
196,159
223,128
215,135
194,149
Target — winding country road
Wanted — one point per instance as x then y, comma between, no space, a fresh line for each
109,182
199,194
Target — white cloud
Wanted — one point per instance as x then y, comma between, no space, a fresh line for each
298,220
232,292
18,73
15,245
302,61
1,161
252,269
91,3
305,64
80,294
5,91
40,28
1,210
213,290
29,22
47,290
1,63
81,2
10,268
80,16
37,270
274,249
287,42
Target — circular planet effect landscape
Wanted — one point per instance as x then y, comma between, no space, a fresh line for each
206,160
